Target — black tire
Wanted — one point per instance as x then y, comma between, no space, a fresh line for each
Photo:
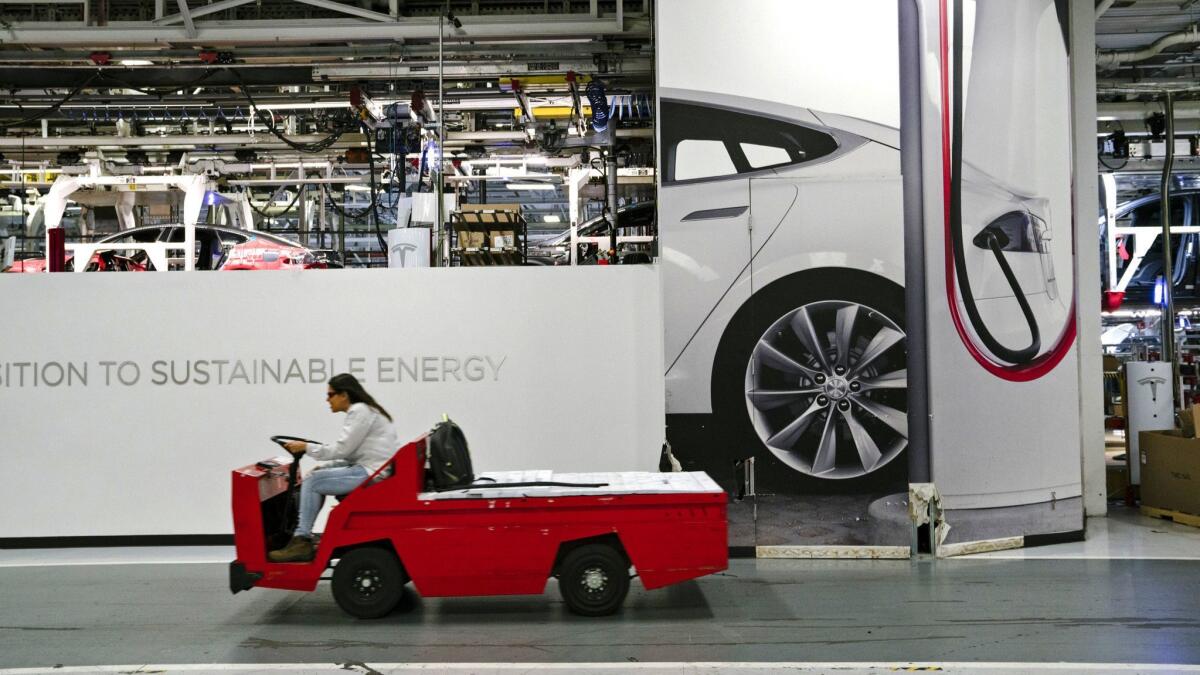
368,582
594,580
884,302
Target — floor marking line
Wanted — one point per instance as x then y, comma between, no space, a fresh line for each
100,563
1015,556
618,665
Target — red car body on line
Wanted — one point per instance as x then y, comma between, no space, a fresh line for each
260,254
473,545
99,263
218,247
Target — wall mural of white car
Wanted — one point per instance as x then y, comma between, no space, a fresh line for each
781,232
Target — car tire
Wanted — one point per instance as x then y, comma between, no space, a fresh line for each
368,582
811,371
594,580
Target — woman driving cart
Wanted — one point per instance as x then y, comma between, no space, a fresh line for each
366,442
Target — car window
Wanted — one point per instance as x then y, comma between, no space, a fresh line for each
702,142
232,238
1151,268
702,159
641,216
759,156
134,237
1150,214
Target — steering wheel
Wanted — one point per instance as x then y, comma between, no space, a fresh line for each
295,466
281,440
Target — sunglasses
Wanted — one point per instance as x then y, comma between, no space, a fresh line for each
331,394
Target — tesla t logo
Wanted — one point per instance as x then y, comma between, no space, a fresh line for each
401,251
1153,382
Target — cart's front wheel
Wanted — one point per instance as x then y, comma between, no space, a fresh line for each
368,582
594,580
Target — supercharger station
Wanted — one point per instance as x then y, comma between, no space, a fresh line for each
986,148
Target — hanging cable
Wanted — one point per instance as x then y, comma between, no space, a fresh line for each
160,92
268,121
54,108
374,200
264,214
989,237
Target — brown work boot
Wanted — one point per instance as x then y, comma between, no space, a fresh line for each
299,549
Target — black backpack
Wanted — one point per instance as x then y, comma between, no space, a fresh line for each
449,457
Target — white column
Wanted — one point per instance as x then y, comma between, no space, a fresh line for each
192,201
1087,256
54,204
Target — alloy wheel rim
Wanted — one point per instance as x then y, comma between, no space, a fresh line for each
826,389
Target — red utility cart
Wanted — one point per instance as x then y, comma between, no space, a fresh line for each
486,539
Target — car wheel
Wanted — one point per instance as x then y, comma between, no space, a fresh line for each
813,369
594,580
368,582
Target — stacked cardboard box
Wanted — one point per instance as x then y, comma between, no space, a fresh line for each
1170,469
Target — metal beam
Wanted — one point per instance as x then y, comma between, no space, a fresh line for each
335,180
245,32
492,69
348,9
270,55
202,11
1132,111
237,140
187,18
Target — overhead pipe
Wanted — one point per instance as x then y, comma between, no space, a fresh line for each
1168,325
142,34
1138,110
1112,58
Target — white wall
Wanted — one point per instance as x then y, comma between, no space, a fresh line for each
838,57
574,380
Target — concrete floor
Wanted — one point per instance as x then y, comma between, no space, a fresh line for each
1079,608
1084,611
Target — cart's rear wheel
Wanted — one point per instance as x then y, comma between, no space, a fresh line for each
368,582
594,580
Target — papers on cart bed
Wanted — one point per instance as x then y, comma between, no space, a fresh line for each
619,483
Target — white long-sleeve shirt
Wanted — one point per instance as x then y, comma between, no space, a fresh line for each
367,440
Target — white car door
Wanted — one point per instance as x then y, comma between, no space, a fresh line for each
703,221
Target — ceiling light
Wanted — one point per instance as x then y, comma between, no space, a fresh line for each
353,187
135,62
530,186
552,218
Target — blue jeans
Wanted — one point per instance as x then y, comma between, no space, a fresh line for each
318,485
